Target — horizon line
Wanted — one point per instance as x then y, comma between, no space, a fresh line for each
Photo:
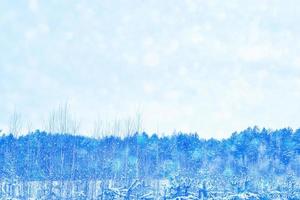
149,134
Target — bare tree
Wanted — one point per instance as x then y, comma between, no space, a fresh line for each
157,159
138,129
116,128
51,123
98,129
138,122
74,126
50,127
15,125
24,183
128,132
58,122
129,125
63,118
29,127
74,130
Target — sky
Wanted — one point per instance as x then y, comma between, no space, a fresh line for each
211,67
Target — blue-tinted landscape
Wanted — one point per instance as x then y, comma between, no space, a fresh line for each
252,164
149,100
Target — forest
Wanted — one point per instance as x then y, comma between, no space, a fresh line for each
251,164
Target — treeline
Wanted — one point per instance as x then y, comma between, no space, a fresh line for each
253,153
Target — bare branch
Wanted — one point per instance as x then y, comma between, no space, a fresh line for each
15,125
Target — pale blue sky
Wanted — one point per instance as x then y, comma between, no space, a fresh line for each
211,67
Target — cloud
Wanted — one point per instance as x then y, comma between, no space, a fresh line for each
149,88
40,30
33,5
151,59
201,66
255,53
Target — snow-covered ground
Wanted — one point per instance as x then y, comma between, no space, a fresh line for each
147,190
